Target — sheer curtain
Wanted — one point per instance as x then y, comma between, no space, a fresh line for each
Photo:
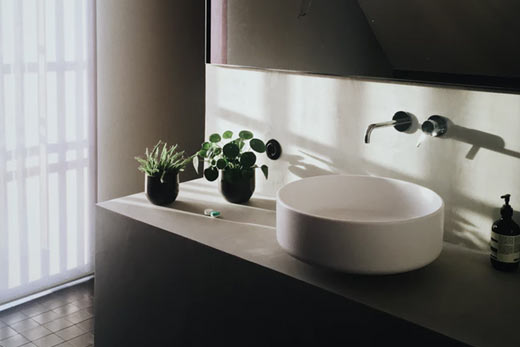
47,143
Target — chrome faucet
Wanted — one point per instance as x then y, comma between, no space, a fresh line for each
401,121
434,126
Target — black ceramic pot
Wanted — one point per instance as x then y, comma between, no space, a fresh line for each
239,190
162,193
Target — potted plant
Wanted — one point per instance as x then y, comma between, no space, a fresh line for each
234,162
161,167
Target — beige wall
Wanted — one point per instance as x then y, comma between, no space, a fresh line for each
320,122
150,62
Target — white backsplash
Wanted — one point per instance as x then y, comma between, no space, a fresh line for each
321,121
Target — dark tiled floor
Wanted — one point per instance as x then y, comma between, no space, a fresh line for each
61,319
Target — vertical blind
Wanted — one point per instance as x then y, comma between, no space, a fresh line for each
47,143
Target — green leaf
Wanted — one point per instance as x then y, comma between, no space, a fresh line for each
196,164
231,150
221,164
247,159
206,145
211,174
227,134
163,160
245,134
214,138
257,145
203,153
265,170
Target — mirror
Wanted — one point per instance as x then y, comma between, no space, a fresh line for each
457,42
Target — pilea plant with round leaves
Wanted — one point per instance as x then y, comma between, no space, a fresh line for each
236,158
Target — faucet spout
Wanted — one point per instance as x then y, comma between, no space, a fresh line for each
373,126
401,121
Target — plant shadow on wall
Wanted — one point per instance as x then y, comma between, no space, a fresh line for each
302,168
283,100
459,229
463,231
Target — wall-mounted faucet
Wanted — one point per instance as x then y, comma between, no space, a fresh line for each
401,121
434,126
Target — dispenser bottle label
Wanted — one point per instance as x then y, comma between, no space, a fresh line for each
505,248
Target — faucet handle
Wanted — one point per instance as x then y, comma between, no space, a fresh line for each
403,121
435,126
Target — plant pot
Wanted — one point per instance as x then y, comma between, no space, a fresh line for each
239,190
162,193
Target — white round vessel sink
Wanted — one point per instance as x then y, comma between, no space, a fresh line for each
360,224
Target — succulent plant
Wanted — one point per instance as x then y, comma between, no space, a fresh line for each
236,158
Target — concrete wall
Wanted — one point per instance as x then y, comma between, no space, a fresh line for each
150,64
320,122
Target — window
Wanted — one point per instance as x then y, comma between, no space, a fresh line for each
47,143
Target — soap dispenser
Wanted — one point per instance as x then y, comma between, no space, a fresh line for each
505,240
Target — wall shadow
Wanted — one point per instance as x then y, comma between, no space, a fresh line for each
299,167
459,229
479,139
342,153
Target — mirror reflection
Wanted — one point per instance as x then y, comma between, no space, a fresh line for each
462,42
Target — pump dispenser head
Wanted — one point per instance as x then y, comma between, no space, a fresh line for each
506,211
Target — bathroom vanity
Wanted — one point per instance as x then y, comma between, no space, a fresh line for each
170,276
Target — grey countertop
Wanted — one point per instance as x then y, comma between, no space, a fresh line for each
459,295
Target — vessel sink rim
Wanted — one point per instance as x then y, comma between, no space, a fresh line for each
437,210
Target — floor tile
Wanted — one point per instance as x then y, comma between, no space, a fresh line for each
79,316
84,303
70,332
32,309
24,325
66,309
14,341
74,297
46,317
64,318
48,341
84,340
65,344
12,317
58,324
87,325
52,303
89,310
36,333
6,332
